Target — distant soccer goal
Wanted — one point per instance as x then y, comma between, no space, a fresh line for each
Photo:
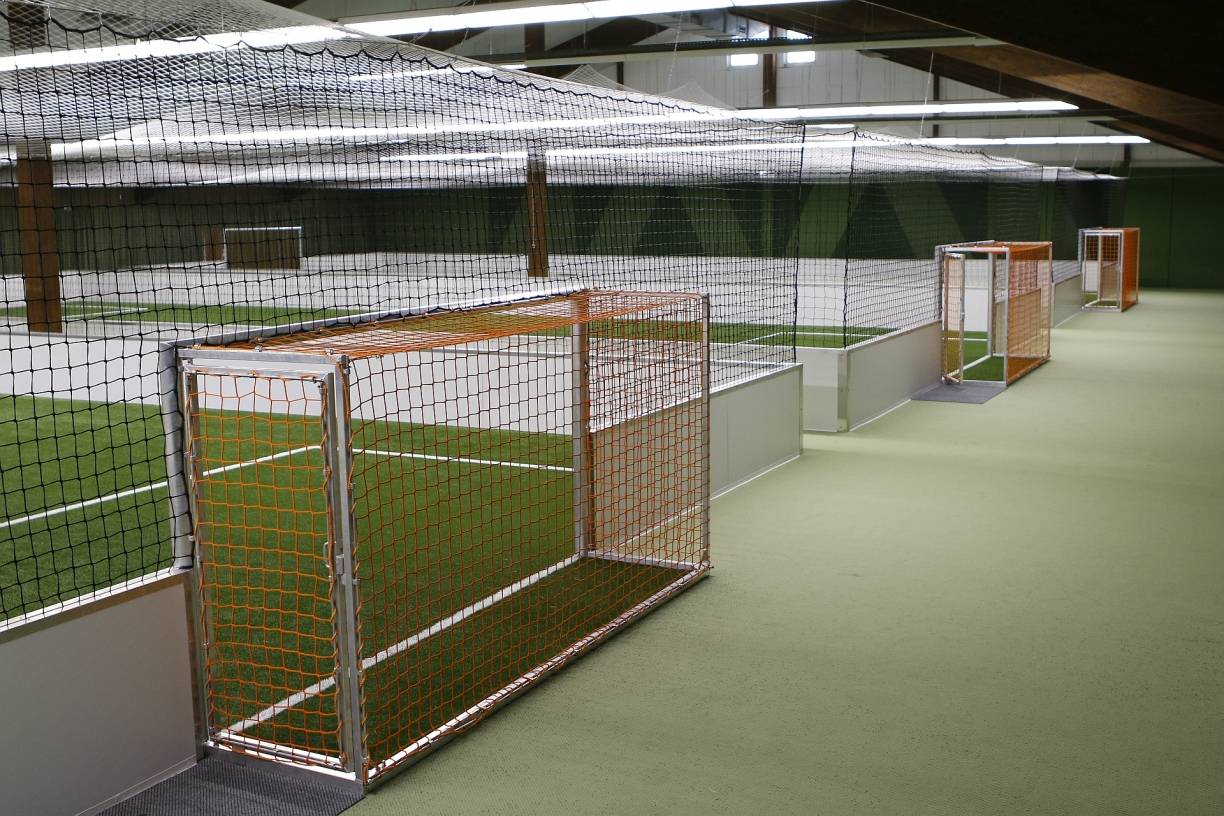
1109,265
401,523
997,301
263,247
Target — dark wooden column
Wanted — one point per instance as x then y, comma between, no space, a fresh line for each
537,215
769,75
40,261
213,239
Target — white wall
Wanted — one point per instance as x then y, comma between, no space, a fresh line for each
95,703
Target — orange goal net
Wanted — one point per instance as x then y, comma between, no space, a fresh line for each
1109,267
402,522
997,309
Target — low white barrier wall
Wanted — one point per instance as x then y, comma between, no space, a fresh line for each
755,426
97,702
845,388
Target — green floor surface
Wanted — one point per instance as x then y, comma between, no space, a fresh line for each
915,619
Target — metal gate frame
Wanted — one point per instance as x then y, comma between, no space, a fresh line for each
953,336
332,380
1101,234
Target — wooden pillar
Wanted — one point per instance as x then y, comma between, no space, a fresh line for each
213,239
40,261
537,215
769,75
533,39
27,26
936,95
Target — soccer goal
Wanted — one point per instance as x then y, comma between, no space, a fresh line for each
997,304
1109,267
263,247
401,523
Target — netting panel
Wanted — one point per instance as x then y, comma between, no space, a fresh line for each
523,479
264,546
1029,301
186,169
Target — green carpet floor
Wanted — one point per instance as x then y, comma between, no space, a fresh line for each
1009,608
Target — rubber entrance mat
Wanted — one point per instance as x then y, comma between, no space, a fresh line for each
224,786
973,393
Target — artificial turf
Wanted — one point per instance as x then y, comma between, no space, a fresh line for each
433,537
183,313
61,452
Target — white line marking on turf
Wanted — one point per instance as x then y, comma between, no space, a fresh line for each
404,645
463,460
135,491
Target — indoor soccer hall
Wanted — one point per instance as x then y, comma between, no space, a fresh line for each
556,407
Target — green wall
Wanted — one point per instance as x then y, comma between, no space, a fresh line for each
1181,213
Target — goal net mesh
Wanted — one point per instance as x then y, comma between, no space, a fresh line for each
507,485
188,168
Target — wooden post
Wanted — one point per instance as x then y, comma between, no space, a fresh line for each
213,239
27,26
40,261
769,75
537,215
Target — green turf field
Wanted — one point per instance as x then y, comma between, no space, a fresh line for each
989,369
182,313
58,454
446,516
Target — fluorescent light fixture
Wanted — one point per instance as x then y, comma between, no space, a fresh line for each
455,157
305,135
526,13
743,60
515,66
1033,141
937,109
457,68
911,109
838,126
584,152
267,38
800,57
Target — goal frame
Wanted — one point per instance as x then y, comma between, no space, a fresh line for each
188,360
999,340
1126,240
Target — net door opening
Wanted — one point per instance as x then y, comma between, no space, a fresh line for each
261,487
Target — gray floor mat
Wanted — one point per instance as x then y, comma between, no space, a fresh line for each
220,786
973,393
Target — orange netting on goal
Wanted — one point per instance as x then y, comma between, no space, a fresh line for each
403,523
1030,289
1130,267
1109,265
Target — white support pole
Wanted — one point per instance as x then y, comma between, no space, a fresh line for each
173,426
706,436
583,444
344,570
1007,258
187,396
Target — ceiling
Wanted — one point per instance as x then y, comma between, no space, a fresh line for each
1117,65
